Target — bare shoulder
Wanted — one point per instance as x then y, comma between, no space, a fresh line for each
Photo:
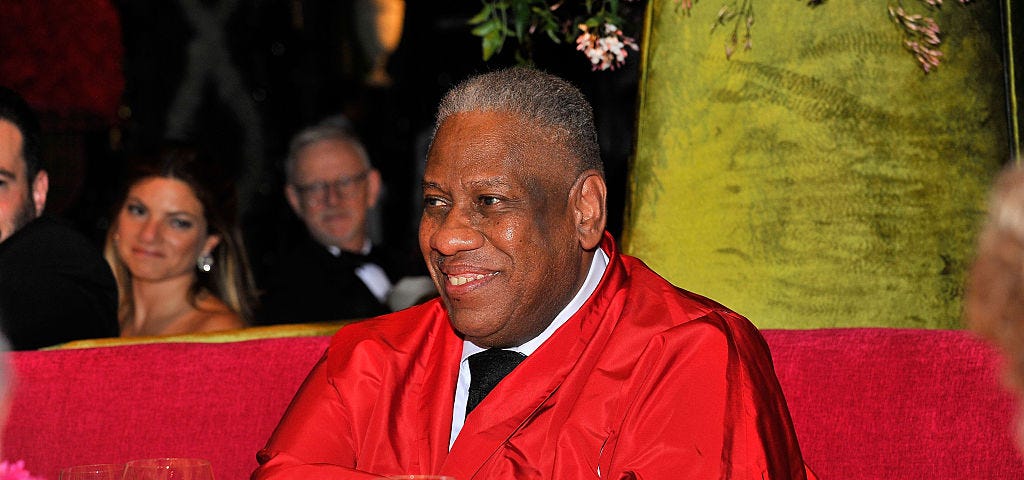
215,315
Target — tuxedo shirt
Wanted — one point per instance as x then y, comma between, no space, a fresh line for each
312,284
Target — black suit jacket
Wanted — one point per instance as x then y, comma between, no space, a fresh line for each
311,285
54,287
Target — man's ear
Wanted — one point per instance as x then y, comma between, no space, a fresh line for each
588,203
372,187
293,199
40,187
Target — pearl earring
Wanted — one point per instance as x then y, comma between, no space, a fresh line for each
205,262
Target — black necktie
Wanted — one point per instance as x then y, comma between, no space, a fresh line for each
487,368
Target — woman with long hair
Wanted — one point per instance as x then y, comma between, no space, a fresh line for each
176,252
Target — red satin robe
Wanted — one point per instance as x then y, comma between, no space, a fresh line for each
645,381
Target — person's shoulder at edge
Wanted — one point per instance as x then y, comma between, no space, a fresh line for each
48,232
395,329
49,244
368,348
645,281
51,273
681,312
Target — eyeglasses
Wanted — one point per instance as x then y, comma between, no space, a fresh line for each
317,193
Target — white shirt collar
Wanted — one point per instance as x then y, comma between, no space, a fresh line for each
597,268
336,250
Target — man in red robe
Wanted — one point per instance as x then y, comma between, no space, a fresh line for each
614,372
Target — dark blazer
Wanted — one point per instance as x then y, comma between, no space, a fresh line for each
54,287
311,285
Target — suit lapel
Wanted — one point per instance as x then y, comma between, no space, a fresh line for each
436,395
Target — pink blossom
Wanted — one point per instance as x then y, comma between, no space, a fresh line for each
15,471
605,52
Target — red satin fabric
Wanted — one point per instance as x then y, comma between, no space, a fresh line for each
645,381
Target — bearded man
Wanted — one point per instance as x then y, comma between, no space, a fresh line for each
54,285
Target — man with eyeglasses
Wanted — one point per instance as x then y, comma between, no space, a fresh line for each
335,273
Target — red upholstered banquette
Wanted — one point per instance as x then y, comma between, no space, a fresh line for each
868,403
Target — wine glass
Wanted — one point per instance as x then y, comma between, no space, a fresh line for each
99,471
168,469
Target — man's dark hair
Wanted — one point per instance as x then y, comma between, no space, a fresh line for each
537,97
14,109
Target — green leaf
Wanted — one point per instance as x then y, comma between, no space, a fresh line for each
486,28
482,16
553,36
492,43
520,18
520,59
612,10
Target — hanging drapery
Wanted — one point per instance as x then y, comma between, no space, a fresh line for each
820,178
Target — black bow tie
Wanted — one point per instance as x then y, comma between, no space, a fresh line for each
358,259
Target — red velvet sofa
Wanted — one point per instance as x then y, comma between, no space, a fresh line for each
867,403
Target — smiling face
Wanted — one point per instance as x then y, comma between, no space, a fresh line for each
332,191
501,228
161,230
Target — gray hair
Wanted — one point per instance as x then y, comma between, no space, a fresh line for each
538,97
334,128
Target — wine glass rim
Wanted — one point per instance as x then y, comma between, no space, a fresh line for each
93,467
167,462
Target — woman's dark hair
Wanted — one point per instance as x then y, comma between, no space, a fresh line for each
229,278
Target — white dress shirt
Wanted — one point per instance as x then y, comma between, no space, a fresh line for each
597,268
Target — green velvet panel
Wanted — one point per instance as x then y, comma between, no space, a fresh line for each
820,179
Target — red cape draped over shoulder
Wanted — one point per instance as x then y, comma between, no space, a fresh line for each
645,381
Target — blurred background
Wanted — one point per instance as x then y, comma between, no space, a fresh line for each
824,166
113,79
